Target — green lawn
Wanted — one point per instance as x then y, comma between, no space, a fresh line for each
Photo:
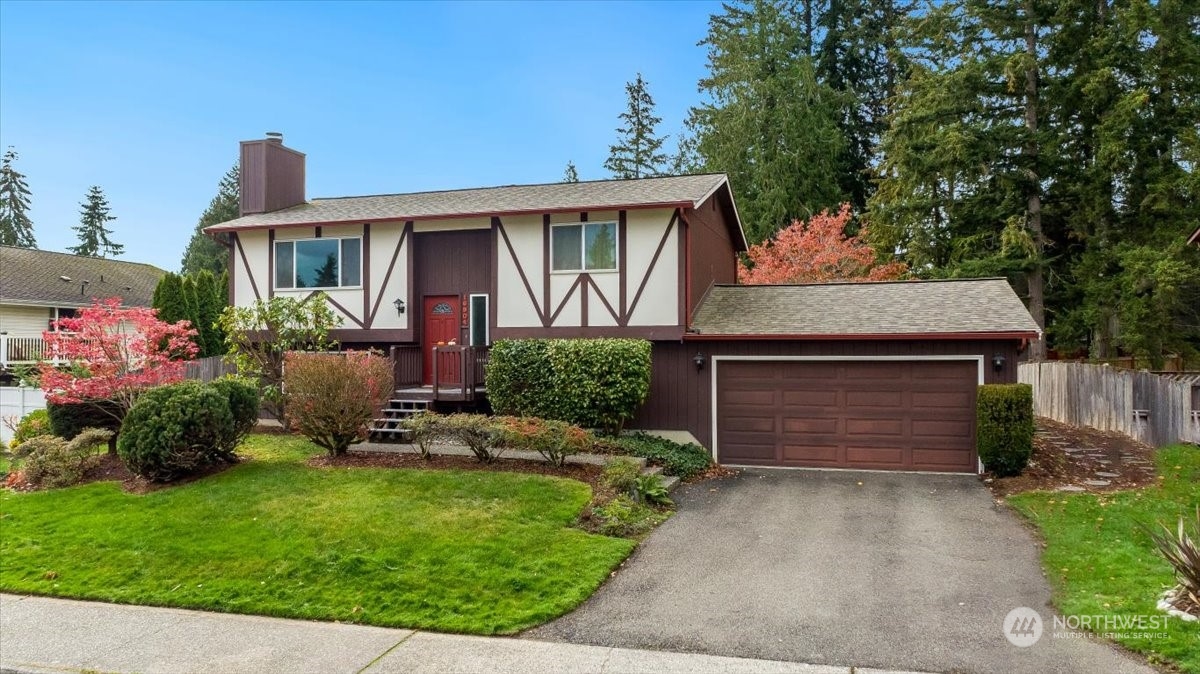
1102,563
462,551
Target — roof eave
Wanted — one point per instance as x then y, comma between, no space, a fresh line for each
214,229
875,336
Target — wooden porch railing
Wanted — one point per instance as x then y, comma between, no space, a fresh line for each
458,371
407,365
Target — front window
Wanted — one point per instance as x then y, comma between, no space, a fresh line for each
588,246
318,263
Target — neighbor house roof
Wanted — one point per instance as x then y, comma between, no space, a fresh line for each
45,278
599,195
953,308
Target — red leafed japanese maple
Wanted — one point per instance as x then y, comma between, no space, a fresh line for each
815,252
113,353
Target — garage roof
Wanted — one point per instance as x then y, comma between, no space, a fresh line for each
959,308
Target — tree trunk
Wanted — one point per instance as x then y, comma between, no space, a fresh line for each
1033,206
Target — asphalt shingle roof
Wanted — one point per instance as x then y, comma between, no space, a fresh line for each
594,195
888,308
29,276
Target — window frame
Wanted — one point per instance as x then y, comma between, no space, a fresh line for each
583,248
486,318
340,247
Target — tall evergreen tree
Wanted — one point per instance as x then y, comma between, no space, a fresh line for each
16,229
768,122
169,299
570,175
203,252
94,235
638,151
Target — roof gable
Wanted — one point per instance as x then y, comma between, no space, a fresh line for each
47,278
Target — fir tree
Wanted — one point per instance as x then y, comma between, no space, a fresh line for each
570,175
638,152
203,252
94,236
16,229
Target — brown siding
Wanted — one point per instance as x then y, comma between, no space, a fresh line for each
680,394
713,259
450,263
272,177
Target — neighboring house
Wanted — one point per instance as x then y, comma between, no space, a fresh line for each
879,375
1195,238
37,287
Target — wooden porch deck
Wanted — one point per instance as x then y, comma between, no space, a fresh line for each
452,393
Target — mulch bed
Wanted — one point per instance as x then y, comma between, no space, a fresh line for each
1068,457
109,468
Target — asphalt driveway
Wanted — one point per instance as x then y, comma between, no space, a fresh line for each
888,570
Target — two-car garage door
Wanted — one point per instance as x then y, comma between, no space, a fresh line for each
891,415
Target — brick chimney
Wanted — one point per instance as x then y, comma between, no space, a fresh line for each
272,175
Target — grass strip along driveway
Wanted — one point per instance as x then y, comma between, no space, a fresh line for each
1102,563
461,551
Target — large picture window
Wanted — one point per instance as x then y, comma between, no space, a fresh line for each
318,263
588,246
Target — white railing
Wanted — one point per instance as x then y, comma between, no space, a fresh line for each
20,350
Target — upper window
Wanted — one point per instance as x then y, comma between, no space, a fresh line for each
588,246
318,263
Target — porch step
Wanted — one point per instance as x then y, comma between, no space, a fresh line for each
390,427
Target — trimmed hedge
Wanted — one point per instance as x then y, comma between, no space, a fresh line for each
1004,436
594,383
175,430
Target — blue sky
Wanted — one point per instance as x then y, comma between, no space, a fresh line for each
149,100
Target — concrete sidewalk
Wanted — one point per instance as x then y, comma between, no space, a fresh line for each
39,634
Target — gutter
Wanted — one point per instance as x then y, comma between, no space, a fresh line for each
882,336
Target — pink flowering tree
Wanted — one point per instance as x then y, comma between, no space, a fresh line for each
108,355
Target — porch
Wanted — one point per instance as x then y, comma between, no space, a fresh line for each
456,374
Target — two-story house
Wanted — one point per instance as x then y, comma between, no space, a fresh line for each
840,375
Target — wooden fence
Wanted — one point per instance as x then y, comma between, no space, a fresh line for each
1155,409
208,369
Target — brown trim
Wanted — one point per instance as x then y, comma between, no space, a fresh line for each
562,305
934,336
520,270
231,265
547,320
387,276
349,314
622,265
271,263
652,332
585,280
457,216
583,216
410,287
317,232
650,270
493,313
376,335
365,253
237,242
685,268
604,300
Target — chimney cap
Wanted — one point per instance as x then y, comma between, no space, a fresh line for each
275,136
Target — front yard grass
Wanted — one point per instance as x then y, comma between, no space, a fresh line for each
1101,562
459,551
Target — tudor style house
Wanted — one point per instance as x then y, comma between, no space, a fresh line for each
838,375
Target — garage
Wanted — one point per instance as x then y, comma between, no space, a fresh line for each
877,414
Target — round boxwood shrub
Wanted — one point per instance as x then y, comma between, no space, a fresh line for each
175,430
243,397
1005,427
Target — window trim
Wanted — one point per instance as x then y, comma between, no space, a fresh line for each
583,248
487,313
292,243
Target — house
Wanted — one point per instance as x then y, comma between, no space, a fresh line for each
879,375
37,287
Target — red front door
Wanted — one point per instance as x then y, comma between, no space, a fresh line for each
442,321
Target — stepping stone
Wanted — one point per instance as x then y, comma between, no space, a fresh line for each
1101,474
1071,487
1097,483
1104,462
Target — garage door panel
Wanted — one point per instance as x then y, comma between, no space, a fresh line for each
902,415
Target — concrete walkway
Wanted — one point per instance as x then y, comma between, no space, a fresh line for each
39,634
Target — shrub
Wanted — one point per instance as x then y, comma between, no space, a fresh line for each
1182,552
426,428
624,516
69,419
621,474
683,461
1005,427
332,398
32,425
650,489
175,430
595,383
53,462
242,395
478,432
554,440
